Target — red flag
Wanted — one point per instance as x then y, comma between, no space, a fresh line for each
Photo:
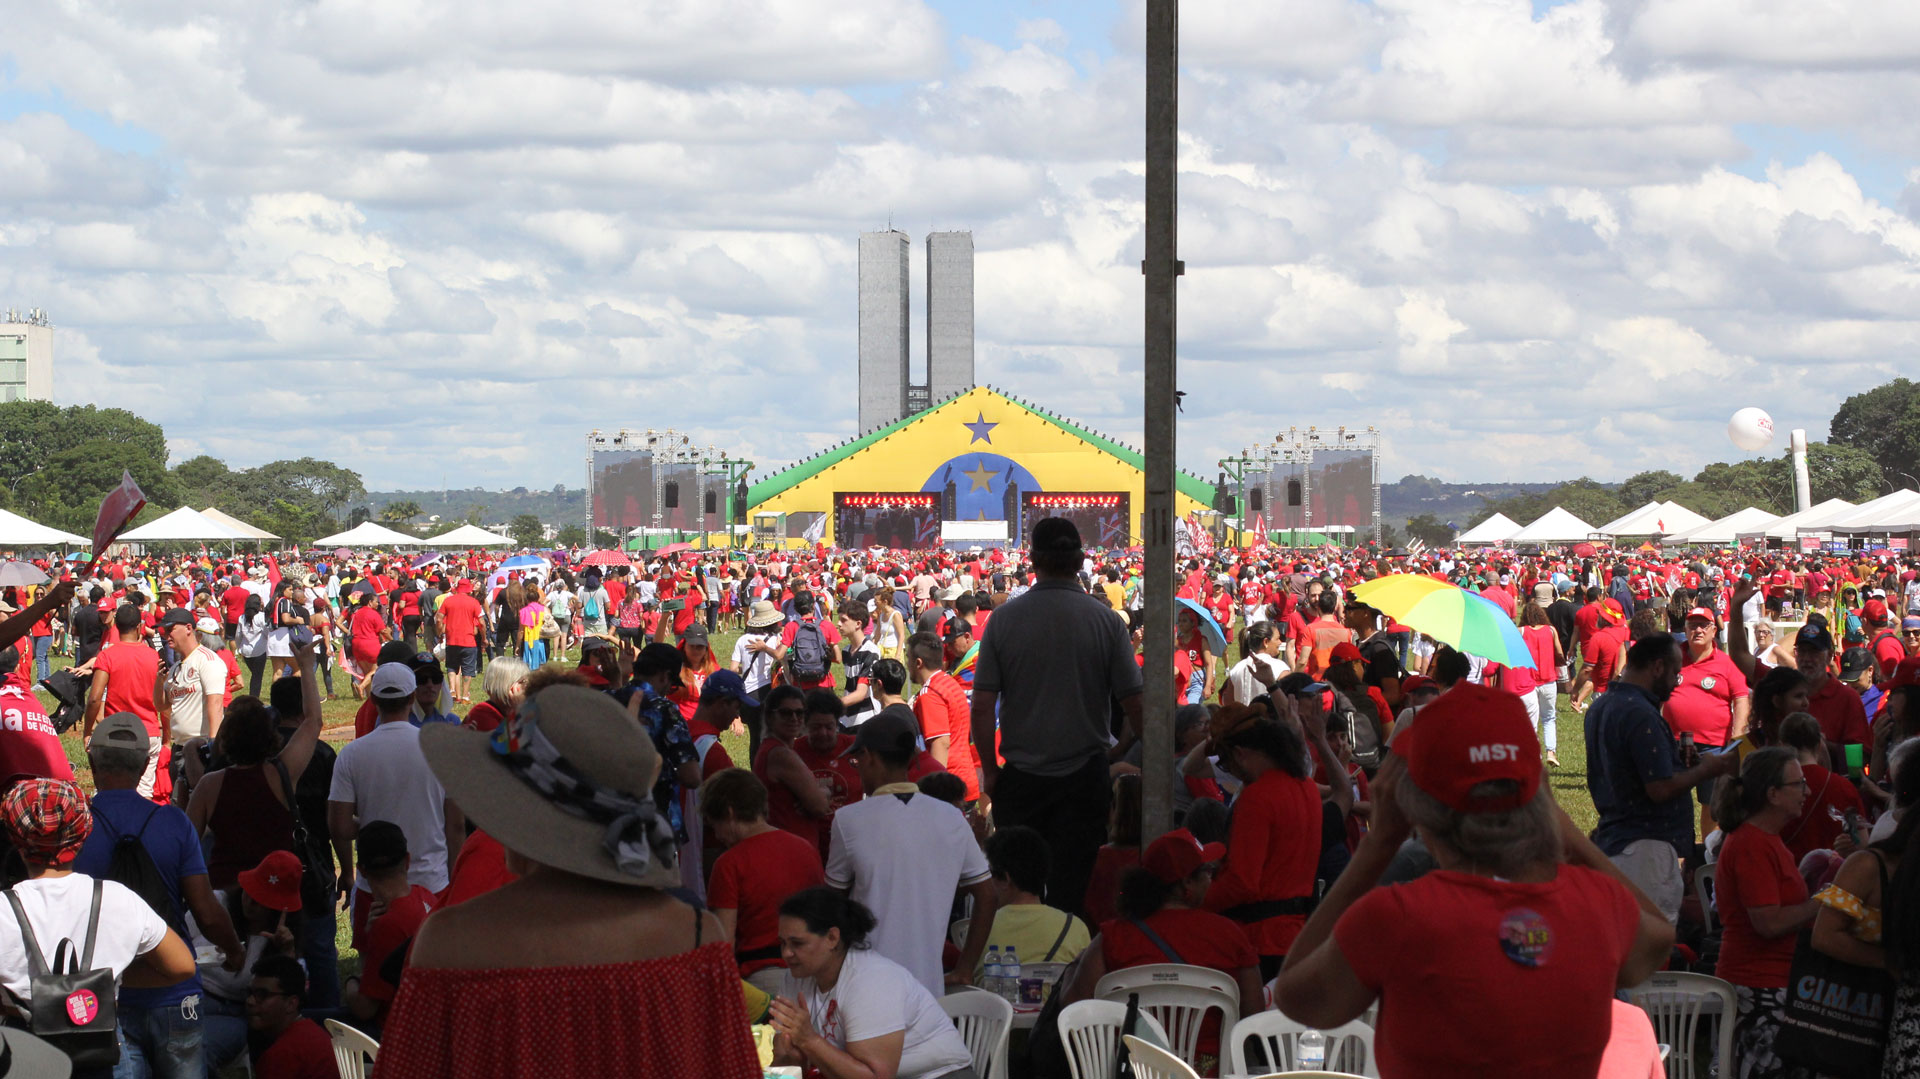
117,511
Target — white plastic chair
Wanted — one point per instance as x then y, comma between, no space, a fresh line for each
352,1050
1678,1003
983,1020
1310,1075
1703,880
1349,1045
1090,1033
1179,997
1153,1062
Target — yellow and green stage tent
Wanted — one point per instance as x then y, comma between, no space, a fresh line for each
987,455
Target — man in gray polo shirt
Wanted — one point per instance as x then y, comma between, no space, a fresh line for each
1052,665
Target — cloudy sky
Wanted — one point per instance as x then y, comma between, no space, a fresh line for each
438,241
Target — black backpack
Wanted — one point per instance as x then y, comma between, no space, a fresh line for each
807,657
131,865
72,1006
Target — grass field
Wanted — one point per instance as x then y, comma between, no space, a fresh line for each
1569,780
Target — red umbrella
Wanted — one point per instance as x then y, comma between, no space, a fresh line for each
1585,550
606,558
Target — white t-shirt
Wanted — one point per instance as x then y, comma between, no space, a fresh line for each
57,908
1245,686
199,676
384,776
756,668
560,603
903,859
250,639
864,657
875,996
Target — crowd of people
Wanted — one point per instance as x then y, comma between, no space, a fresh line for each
541,839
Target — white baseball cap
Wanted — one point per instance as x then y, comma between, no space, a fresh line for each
392,681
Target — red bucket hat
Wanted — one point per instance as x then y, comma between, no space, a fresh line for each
275,882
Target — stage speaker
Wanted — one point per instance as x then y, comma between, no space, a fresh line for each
1293,492
671,497
1256,499
712,504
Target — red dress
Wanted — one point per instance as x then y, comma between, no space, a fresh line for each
598,1020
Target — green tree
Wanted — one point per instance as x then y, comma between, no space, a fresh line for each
36,437
476,514
203,480
1885,423
359,516
399,512
1643,487
571,536
1429,530
293,523
526,530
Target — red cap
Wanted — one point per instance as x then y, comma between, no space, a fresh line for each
1414,682
1610,609
1472,735
1875,611
1906,674
1174,857
275,882
1706,613
1344,652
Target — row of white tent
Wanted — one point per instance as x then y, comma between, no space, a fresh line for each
1894,514
211,525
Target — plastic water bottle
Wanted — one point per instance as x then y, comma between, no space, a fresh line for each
1310,1052
1010,977
992,974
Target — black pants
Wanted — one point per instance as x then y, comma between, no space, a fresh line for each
256,667
750,714
1070,812
410,631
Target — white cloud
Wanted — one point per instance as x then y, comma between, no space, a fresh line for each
1523,246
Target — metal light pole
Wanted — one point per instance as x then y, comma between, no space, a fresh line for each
1162,268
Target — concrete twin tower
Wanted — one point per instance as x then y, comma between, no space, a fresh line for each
887,391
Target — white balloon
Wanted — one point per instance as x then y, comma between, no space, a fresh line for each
1751,429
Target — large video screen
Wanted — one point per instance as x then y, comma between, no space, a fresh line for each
1341,483
1101,516
622,489
680,508
886,519
1284,499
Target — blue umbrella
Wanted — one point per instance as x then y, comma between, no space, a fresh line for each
1216,637
524,561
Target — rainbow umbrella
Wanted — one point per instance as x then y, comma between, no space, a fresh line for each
1445,612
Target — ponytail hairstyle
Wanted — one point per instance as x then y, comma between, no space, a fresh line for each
824,908
1736,798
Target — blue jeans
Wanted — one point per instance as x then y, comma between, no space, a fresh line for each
224,1032
163,1043
322,956
42,667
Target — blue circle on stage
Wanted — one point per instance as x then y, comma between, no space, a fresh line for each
980,484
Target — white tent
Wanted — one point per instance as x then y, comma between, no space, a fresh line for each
17,531
467,536
185,523
1888,513
1722,532
368,534
238,525
1654,518
1788,527
1495,529
1554,526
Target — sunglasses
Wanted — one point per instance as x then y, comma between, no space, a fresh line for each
789,711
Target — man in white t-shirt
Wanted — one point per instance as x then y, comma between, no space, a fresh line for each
382,775
903,855
197,684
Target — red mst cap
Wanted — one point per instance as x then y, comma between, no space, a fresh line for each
1345,652
1174,857
1703,612
1906,674
1472,735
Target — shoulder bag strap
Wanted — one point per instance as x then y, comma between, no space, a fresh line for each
293,804
36,959
1807,816
1059,940
93,927
1158,941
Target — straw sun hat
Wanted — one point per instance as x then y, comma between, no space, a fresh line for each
567,783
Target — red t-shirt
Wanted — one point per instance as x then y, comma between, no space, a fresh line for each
364,628
1602,653
1438,949
1103,887
1703,701
783,808
480,868
130,670
234,601
616,593
752,878
462,614
28,744
409,604
304,1051
1273,850
942,711
1829,796
837,776
1586,623
1200,938
392,931
1755,870
1842,717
